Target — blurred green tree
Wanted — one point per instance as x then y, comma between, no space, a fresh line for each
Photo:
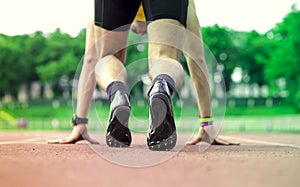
60,57
284,60
16,65
252,52
219,41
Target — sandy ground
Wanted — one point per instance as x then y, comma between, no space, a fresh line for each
267,160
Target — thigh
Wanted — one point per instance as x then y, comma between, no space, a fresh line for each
165,33
166,37
110,43
113,14
166,9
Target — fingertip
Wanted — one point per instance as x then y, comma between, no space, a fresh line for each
191,143
52,141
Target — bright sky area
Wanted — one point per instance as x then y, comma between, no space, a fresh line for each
20,17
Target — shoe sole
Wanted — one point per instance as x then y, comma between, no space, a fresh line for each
119,125
162,117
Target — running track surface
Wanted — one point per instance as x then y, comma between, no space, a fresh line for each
266,160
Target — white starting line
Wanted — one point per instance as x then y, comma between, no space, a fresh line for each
39,140
263,142
24,141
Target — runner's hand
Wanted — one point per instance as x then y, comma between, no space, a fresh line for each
202,134
78,133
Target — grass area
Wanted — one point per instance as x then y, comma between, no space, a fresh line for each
47,117
260,111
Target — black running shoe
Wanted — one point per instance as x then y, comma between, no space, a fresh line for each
118,134
161,135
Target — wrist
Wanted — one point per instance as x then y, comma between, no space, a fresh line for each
79,121
206,121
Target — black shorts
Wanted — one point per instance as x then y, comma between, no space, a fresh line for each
112,14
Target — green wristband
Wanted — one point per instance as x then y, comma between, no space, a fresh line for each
202,120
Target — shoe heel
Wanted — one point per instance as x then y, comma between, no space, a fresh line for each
122,114
158,111
118,134
162,122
